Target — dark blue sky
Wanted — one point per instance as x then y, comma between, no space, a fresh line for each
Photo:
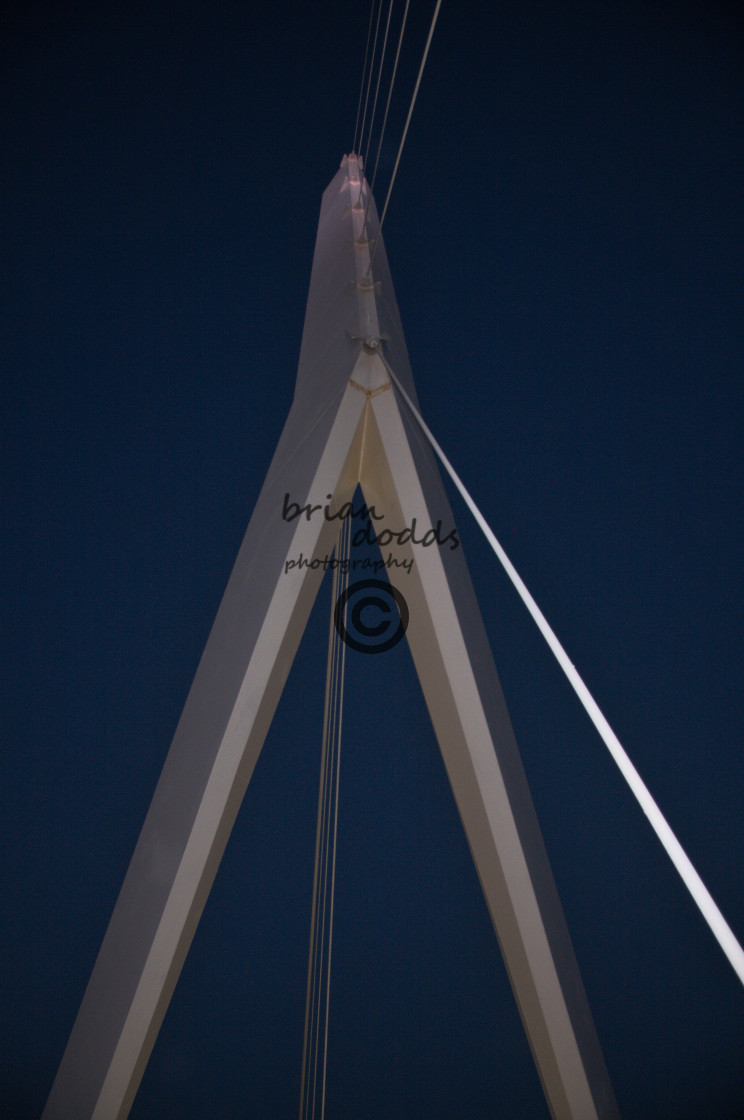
566,239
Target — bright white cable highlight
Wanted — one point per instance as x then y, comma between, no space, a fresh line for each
695,885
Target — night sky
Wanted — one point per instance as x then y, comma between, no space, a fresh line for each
566,240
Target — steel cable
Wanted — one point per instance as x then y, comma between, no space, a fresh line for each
718,925
317,999
405,130
364,71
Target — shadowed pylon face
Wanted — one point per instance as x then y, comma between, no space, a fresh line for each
347,427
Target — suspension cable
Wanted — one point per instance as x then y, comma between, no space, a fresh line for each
310,998
384,120
364,71
362,146
317,999
345,534
702,897
405,132
369,78
390,94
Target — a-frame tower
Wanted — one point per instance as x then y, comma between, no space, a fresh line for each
348,426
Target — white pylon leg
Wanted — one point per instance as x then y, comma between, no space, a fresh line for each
220,734
345,427
464,698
